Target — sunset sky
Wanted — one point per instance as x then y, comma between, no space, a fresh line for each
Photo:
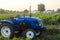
20,5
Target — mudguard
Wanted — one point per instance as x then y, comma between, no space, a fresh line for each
7,21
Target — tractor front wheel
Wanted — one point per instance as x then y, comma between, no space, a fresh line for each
37,33
29,33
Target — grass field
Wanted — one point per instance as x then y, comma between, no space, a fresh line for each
51,21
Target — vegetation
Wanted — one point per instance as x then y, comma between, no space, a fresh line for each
26,11
58,10
41,7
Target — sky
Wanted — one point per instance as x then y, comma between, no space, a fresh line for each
20,5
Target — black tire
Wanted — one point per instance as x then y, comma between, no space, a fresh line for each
38,33
8,29
29,33
42,31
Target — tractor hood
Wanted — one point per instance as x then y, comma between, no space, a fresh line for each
29,18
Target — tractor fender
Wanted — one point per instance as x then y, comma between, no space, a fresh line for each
7,21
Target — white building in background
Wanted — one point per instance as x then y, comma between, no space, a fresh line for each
49,11
34,11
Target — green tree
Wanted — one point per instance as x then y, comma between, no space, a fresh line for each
41,7
2,11
26,11
58,10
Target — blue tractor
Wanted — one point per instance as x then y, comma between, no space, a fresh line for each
30,27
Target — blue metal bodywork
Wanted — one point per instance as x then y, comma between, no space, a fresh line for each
34,22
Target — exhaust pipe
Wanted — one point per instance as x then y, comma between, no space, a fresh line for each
30,11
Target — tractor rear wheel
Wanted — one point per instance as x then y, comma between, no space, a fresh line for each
6,30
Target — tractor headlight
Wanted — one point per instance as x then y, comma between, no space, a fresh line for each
40,24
